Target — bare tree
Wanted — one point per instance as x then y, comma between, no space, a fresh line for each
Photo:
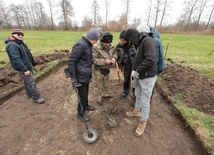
165,8
149,11
126,4
4,15
15,10
67,12
191,5
87,22
51,13
107,3
202,6
95,10
210,17
157,10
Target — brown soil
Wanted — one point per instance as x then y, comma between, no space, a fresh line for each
52,128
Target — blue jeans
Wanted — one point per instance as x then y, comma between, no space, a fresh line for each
143,93
30,86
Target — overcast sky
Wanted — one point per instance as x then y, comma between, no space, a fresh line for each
137,7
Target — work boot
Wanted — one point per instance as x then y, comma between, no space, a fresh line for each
89,108
140,129
134,113
123,96
39,100
83,117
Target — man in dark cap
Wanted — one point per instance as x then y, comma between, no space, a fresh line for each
80,69
126,56
22,60
144,74
103,57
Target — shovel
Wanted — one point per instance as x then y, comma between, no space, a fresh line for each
111,122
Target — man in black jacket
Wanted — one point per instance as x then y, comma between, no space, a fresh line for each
126,56
22,61
80,69
144,74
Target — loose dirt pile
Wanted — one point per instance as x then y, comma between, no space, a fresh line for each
197,90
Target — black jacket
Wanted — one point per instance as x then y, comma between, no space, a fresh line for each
146,60
80,61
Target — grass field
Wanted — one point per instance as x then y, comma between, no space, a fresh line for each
194,50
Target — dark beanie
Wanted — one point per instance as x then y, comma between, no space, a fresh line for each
132,35
93,34
106,37
122,34
17,31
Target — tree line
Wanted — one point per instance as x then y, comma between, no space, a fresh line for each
31,15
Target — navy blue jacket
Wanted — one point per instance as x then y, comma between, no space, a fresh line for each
17,53
80,61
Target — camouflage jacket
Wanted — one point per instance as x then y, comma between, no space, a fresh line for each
100,56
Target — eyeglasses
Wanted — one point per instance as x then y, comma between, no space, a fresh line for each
20,34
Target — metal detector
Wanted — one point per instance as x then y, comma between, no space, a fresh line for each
90,135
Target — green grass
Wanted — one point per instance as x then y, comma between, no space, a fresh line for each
202,123
194,49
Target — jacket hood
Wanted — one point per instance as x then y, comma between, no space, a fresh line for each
11,38
132,35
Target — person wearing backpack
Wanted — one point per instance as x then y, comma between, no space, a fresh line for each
160,56
144,73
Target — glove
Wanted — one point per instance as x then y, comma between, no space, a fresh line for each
136,75
134,82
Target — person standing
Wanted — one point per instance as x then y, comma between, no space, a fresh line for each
22,61
160,56
80,70
144,73
104,57
126,56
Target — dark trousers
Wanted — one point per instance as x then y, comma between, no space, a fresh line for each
127,79
82,97
30,86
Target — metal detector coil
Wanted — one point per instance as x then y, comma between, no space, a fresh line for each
90,135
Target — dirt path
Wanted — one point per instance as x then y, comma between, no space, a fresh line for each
52,128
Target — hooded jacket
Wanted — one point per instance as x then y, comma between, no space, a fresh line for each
19,54
146,59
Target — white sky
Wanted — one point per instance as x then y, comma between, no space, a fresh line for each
137,7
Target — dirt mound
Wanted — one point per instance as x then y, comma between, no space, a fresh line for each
10,79
197,90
